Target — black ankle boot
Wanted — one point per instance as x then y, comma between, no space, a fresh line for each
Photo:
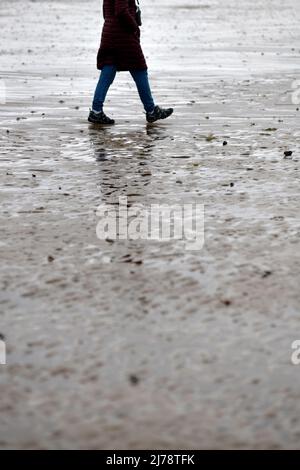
99,118
158,113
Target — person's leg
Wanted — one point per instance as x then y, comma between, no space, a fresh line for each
141,79
153,113
107,76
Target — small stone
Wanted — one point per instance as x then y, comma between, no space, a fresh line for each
138,262
226,302
255,381
266,274
134,380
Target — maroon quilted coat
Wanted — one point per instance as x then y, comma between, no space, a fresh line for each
120,41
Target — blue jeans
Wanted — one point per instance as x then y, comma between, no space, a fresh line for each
107,76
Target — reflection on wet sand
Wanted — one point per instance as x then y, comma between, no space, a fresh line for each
126,160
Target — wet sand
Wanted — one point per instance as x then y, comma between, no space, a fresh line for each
173,349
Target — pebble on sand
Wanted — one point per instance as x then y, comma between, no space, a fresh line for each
134,380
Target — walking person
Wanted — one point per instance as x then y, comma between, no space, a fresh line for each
120,50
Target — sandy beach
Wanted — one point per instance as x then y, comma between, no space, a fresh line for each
135,344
